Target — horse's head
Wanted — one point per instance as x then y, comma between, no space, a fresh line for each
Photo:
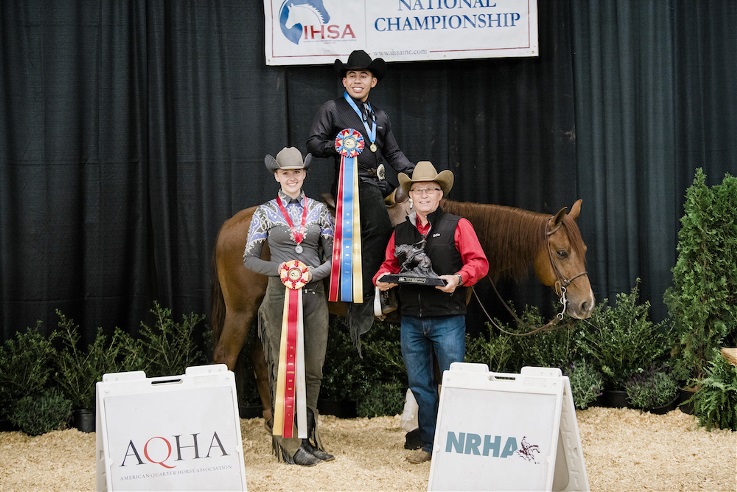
561,265
398,205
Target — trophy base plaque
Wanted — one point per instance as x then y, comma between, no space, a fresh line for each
412,280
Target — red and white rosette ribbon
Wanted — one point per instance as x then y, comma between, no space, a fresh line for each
294,274
290,380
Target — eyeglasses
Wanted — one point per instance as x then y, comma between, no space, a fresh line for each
422,191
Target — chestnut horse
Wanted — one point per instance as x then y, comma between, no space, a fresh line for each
512,238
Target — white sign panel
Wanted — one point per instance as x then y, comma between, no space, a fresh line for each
303,32
172,433
504,432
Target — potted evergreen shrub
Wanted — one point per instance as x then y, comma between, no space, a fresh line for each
385,371
497,351
702,301
166,347
622,341
39,414
28,401
80,368
587,383
655,391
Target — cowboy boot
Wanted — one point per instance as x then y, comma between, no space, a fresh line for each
304,458
307,445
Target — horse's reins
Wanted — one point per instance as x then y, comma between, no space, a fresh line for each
560,285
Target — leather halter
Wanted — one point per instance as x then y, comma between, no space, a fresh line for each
561,282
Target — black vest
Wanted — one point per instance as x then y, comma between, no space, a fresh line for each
422,301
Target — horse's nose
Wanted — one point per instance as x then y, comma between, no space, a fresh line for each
587,307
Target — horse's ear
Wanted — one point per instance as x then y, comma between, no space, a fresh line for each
389,200
576,210
399,195
557,219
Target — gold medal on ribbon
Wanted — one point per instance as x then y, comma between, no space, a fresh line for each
372,147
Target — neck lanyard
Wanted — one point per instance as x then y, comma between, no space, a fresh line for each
298,235
371,132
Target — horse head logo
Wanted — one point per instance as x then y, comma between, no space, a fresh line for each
295,14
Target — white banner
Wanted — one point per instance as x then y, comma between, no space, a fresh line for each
309,32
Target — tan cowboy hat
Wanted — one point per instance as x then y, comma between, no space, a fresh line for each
287,158
425,171
360,60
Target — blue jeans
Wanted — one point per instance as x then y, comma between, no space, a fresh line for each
423,339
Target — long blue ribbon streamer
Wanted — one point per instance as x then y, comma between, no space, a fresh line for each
346,270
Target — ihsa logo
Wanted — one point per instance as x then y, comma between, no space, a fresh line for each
309,20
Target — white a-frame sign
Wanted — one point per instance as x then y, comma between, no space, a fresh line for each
498,431
169,433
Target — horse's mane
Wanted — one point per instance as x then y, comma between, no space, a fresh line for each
511,237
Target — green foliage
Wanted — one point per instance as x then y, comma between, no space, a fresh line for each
503,352
702,300
382,399
550,348
375,382
343,377
653,389
496,351
622,341
586,383
80,369
164,349
383,353
715,402
29,396
385,371
26,362
39,414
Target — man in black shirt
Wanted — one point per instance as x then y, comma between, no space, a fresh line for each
353,110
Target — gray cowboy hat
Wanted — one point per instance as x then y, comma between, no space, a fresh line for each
287,158
360,60
425,171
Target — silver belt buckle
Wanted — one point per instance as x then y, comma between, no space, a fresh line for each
381,172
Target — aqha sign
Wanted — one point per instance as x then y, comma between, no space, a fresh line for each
301,32
174,433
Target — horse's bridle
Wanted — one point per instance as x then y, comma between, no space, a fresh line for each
561,282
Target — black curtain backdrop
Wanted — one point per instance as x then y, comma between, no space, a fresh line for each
130,130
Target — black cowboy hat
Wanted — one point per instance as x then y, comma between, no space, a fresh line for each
360,60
